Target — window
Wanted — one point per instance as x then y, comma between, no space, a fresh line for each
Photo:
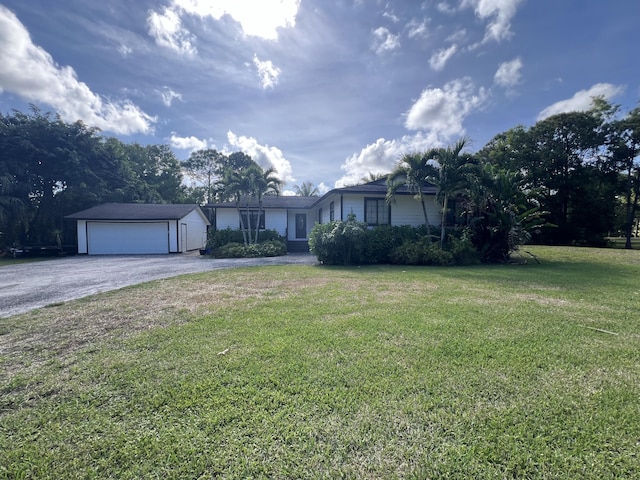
320,216
376,211
253,218
332,211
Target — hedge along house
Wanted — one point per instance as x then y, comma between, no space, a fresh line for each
293,217
133,228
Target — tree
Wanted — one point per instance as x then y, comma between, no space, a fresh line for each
204,167
412,171
266,183
625,148
307,189
453,173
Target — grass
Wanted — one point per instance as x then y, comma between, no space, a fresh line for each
317,372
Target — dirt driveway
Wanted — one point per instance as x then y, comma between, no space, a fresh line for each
26,286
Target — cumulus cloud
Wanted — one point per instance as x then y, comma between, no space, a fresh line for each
508,73
260,19
267,72
187,143
439,59
30,72
263,155
442,110
382,155
582,100
384,41
167,30
500,13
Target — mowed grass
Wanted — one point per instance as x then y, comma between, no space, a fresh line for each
512,371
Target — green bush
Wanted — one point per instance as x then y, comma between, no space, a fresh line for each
219,238
338,242
272,248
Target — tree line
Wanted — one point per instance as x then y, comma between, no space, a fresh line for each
579,169
50,168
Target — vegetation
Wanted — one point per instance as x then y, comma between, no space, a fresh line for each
521,371
307,189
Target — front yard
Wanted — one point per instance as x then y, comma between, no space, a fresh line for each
322,372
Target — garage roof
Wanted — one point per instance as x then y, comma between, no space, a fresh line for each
135,211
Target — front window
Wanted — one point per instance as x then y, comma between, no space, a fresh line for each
376,211
332,211
252,220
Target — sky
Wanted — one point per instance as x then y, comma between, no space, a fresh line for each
323,91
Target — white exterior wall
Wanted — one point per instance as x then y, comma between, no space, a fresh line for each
227,218
81,226
408,211
196,232
276,220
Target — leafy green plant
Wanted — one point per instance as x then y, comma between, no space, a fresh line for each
338,242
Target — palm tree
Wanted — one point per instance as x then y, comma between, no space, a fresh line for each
372,177
413,172
235,186
307,189
453,173
264,183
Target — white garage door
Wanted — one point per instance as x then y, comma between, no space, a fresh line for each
111,238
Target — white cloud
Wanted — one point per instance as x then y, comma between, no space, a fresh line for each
166,28
417,29
508,73
500,11
382,155
267,72
125,50
444,7
30,72
257,18
442,110
187,143
168,96
439,59
582,100
384,41
263,155
391,16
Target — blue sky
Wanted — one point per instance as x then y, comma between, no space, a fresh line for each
324,91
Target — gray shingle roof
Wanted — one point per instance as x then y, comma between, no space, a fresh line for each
134,211
272,201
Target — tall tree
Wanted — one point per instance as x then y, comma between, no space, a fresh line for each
625,148
454,173
307,189
204,166
264,183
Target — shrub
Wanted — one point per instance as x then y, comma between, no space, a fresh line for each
338,242
421,252
272,248
219,238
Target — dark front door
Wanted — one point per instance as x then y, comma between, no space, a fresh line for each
301,225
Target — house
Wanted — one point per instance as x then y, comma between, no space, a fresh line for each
294,217
135,228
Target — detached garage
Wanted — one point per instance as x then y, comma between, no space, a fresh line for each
135,228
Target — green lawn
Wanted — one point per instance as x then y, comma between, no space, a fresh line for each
527,371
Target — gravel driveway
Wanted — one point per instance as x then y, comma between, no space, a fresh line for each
26,286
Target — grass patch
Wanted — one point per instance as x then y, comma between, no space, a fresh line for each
318,372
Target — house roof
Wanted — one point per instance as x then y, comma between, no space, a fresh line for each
136,211
377,187
271,201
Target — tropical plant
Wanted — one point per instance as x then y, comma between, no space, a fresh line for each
413,173
307,189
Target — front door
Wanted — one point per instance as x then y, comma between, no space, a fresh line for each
301,225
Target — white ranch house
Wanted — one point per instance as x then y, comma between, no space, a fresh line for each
294,217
